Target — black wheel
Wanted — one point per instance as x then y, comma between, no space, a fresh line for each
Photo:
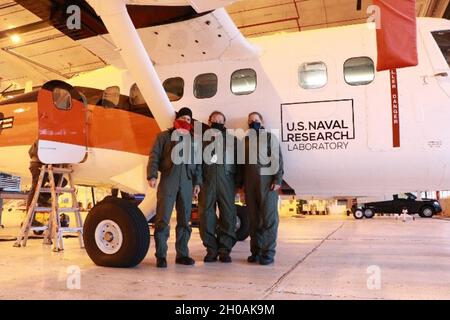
116,234
426,212
358,214
242,223
369,213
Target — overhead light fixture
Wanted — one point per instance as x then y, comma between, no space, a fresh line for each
15,38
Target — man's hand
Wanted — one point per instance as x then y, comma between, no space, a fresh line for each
196,191
152,183
275,187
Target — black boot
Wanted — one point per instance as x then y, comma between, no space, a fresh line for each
187,261
265,260
161,263
253,258
225,257
210,258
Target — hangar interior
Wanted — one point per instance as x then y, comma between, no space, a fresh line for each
33,52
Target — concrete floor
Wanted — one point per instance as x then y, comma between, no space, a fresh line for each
317,258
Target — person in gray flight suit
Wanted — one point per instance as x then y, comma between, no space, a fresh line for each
261,189
218,190
180,180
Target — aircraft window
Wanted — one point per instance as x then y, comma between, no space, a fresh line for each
443,40
313,75
174,88
205,86
243,81
84,99
111,97
136,97
137,102
62,99
93,96
359,71
134,103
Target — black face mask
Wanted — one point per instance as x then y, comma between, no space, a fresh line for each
218,126
255,125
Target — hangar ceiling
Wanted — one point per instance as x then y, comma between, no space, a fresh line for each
261,17
38,52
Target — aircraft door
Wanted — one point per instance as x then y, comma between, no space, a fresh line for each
438,47
62,124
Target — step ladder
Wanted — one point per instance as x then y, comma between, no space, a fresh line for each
53,232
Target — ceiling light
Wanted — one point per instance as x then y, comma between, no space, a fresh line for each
15,38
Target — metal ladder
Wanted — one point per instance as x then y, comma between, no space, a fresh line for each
53,232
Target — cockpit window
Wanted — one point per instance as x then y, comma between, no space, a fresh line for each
62,99
136,97
443,40
111,97
134,103
174,88
137,102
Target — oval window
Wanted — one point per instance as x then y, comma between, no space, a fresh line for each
359,71
313,75
174,88
243,81
205,86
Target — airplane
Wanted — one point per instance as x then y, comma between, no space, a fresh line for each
319,88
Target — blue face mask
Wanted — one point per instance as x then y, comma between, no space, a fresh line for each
255,125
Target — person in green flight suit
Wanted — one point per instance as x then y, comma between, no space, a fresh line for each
218,190
262,178
180,179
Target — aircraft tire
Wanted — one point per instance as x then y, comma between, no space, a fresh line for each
116,234
243,223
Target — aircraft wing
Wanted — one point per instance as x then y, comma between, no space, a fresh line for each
206,37
198,5
172,31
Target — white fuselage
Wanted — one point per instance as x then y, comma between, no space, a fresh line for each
369,164
363,161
